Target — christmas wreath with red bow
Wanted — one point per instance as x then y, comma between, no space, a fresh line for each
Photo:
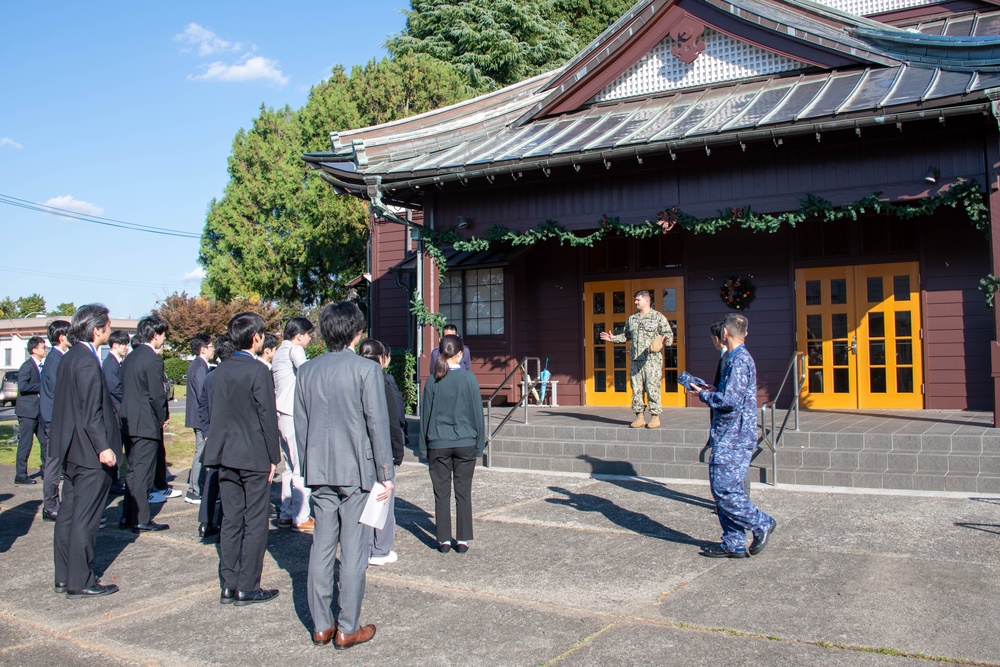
738,292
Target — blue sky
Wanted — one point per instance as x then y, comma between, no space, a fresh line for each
127,111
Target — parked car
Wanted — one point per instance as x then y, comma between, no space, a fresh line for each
8,390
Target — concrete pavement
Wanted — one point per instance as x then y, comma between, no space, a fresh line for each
564,570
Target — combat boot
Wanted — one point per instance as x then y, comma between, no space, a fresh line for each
654,422
640,421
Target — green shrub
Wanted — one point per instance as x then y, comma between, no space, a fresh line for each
176,369
402,368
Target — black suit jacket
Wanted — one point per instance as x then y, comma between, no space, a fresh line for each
144,399
49,375
29,386
196,374
113,376
84,422
244,419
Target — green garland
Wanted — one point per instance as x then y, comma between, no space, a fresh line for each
425,315
990,285
962,194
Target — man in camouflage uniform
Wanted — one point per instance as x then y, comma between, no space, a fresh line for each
642,328
733,438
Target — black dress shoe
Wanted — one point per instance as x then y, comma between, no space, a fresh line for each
149,527
243,598
207,530
716,551
59,588
444,547
117,489
228,596
25,480
760,542
49,516
92,592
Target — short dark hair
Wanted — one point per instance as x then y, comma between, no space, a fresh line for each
88,318
372,349
644,292
737,324
339,323
224,347
270,341
118,337
449,327
58,329
149,327
243,327
199,341
716,329
34,342
296,326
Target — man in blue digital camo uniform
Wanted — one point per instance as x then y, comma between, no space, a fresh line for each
643,328
733,438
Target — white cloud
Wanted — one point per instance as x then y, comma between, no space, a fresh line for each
68,203
207,41
7,141
251,68
195,274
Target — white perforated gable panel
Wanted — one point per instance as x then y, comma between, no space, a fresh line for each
724,59
869,7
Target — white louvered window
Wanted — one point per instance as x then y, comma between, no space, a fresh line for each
724,59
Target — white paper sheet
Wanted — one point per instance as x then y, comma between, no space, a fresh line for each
375,512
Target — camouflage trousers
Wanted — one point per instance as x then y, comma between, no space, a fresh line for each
737,514
647,378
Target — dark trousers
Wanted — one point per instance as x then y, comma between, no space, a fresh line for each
458,464
51,475
141,453
209,494
85,492
30,427
160,475
243,534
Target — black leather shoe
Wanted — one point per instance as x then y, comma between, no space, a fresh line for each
49,516
92,592
243,598
59,588
444,547
25,480
716,551
207,530
461,548
117,489
149,527
228,596
760,542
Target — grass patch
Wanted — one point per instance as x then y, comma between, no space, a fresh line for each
8,448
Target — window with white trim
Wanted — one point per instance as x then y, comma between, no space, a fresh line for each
472,300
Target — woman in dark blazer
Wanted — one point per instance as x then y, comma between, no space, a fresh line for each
452,436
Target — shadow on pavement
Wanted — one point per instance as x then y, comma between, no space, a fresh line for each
16,522
416,520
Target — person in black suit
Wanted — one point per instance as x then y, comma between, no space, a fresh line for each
203,351
208,525
112,369
243,444
29,386
144,414
59,339
87,440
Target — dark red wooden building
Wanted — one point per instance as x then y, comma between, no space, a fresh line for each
709,106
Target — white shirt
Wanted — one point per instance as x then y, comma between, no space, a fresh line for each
284,367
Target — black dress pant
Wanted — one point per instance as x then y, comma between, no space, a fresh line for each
209,494
458,464
85,493
51,476
30,427
160,476
141,453
243,534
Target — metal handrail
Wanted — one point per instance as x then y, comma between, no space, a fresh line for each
527,387
797,370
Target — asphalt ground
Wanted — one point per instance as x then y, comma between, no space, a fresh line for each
564,570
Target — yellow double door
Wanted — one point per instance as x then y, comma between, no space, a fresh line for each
607,305
859,327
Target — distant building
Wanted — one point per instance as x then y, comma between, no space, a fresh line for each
14,335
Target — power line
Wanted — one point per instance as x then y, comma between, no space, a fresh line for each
94,219
108,281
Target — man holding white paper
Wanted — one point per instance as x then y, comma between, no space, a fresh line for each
344,451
